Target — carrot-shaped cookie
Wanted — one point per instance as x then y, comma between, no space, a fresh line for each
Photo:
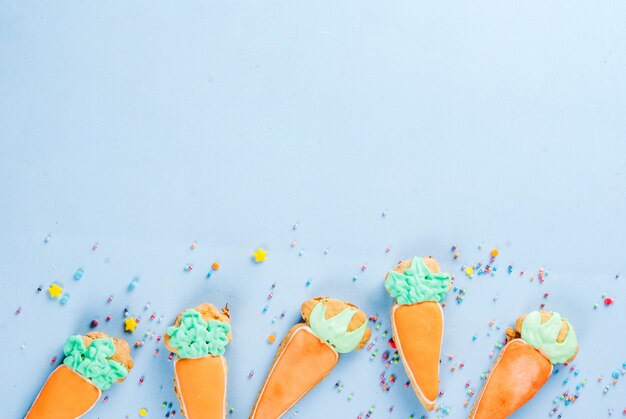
539,340
198,338
309,352
417,322
92,364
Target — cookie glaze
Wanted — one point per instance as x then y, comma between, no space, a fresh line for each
418,332
302,363
65,394
515,378
201,386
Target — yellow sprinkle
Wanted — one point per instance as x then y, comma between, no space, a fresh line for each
130,324
469,271
259,255
143,412
55,291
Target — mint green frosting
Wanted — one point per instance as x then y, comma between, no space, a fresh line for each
334,331
417,284
93,363
543,337
195,337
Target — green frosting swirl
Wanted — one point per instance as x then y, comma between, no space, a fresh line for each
543,337
334,331
195,337
417,284
93,363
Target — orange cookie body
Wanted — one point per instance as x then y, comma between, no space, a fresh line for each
65,394
418,332
201,386
517,375
302,364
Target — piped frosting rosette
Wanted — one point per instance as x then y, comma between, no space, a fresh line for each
413,282
194,337
93,359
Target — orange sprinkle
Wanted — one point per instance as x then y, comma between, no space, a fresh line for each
271,338
215,266
495,252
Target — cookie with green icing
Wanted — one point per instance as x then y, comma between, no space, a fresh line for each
341,325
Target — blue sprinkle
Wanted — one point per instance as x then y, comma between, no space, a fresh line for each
79,274
64,299
133,284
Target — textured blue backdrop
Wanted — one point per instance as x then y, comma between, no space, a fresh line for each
145,126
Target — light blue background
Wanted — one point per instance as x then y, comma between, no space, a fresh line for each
144,126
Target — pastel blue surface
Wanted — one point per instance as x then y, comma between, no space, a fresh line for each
146,126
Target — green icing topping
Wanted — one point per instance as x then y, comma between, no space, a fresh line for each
543,337
417,284
195,337
334,331
93,363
